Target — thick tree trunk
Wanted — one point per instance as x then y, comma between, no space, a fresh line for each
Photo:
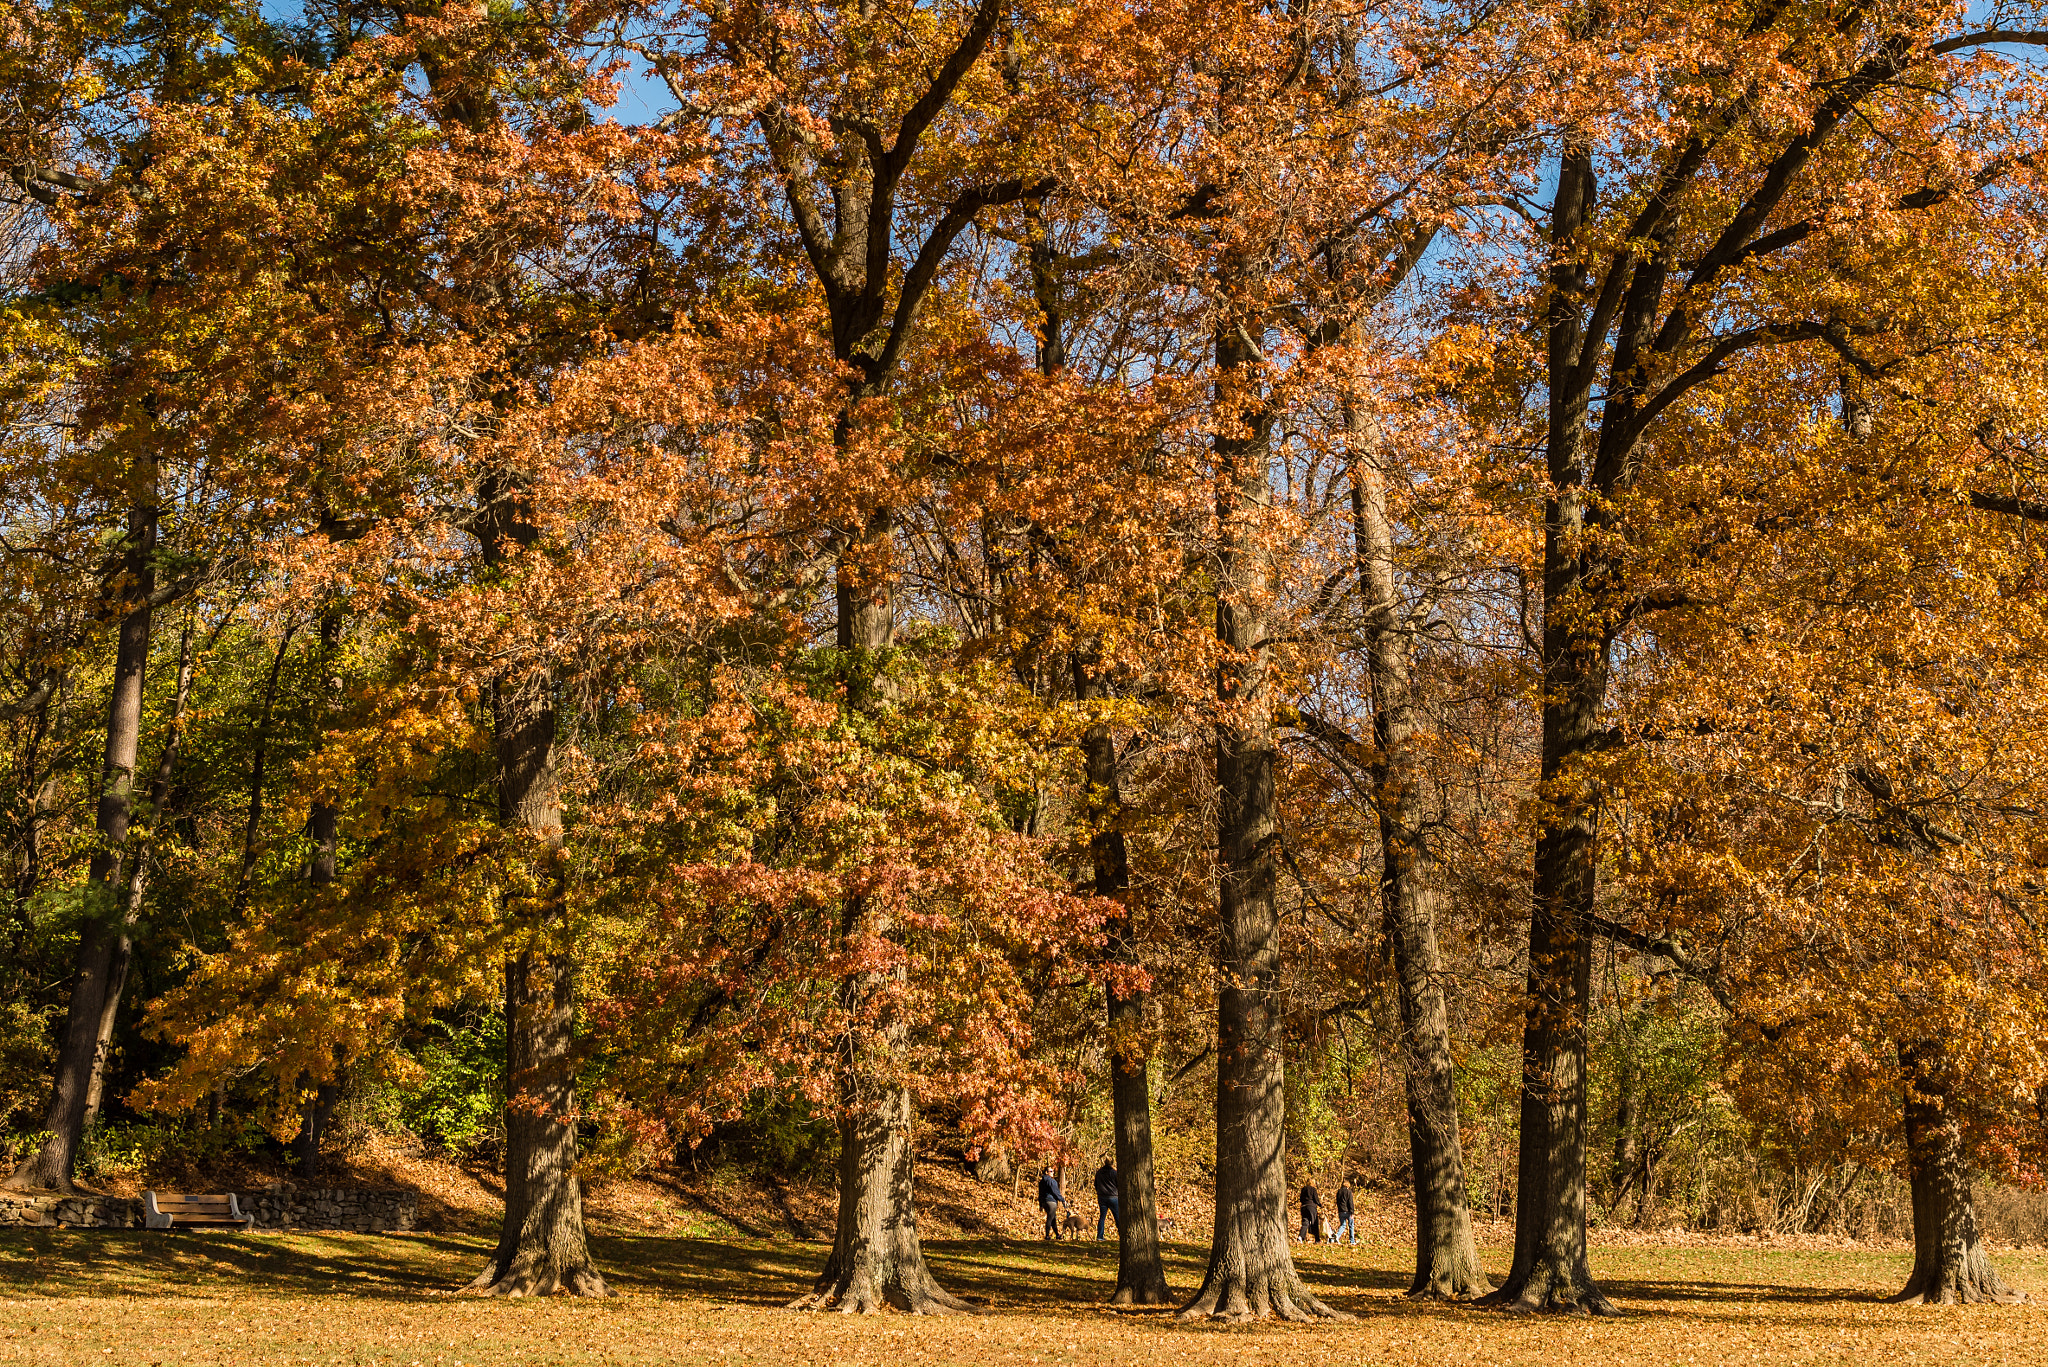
1140,1277
1446,1258
1950,1264
877,1259
1550,1270
1251,1270
541,1246
99,935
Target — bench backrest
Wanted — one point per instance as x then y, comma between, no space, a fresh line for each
172,1203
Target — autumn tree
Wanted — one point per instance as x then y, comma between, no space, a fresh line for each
1668,251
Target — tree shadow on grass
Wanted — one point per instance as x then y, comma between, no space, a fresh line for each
133,1262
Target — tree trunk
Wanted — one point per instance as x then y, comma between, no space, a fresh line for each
1950,1264
253,824
1446,1258
51,1164
877,1259
1140,1277
312,1133
1628,1153
1251,1270
1550,1270
43,791
138,878
323,821
541,1247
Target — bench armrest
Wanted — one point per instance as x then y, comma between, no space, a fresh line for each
152,1218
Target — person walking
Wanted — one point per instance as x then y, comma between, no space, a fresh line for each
1344,1221
1050,1200
1106,1194
1311,1212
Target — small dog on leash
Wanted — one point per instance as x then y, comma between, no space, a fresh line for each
1070,1226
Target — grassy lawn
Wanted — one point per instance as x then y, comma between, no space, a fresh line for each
119,1297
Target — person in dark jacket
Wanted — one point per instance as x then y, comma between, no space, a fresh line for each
1050,1200
1344,1221
1311,1212
1106,1195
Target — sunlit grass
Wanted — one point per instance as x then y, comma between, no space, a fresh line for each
79,1296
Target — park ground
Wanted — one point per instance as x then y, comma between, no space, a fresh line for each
136,1297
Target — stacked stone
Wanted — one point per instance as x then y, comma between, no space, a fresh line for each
354,1210
18,1210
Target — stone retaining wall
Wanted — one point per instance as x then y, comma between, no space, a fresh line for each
357,1210
19,1210
353,1210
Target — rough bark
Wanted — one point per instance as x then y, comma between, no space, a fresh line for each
1446,1258
1140,1277
1251,1269
541,1247
1550,1270
1950,1263
877,1259
50,1166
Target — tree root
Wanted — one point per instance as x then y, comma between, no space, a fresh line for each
1142,1295
1452,1287
1232,1301
862,1296
539,1277
1956,1291
1551,1296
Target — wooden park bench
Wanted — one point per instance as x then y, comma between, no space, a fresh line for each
169,1210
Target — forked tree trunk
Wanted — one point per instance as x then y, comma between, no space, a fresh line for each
138,877
1140,1277
541,1246
1950,1264
99,934
1251,1269
877,1259
1446,1258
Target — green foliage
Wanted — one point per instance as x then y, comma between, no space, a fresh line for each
458,1103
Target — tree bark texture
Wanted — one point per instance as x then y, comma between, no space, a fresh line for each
1950,1263
541,1246
1251,1270
877,1260
1550,1270
1140,1277
50,1166
1446,1258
